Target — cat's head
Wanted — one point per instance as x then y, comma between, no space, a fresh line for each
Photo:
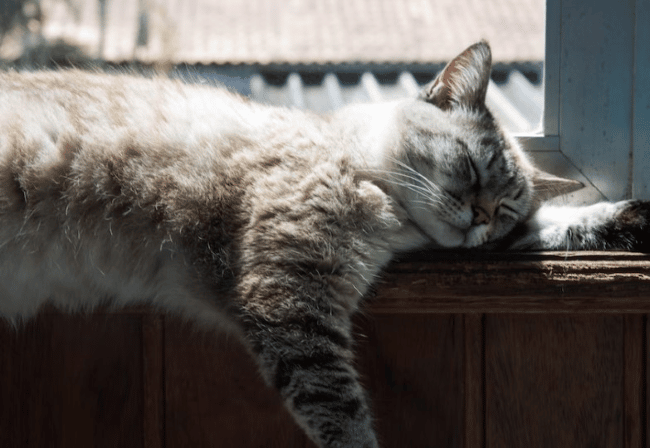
462,180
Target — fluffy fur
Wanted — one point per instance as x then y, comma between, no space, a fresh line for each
269,222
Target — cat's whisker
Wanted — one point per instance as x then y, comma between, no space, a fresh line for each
396,173
420,181
415,188
429,204
416,185
422,208
419,175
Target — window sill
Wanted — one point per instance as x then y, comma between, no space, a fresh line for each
540,282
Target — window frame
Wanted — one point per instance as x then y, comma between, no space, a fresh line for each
596,120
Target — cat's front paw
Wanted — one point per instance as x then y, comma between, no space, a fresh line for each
623,225
477,236
629,229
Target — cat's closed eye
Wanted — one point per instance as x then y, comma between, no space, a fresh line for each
508,210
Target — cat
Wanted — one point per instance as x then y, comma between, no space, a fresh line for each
267,222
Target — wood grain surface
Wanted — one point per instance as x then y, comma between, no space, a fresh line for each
72,382
215,396
153,380
411,365
474,381
413,369
634,383
554,381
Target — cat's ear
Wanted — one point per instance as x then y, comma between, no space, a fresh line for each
463,82
548,186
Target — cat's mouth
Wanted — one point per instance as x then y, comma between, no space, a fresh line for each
448,235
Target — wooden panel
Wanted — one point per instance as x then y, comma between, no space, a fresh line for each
216,398
412,366
474,381
641,133
528,282
72,382
153,380
596,65
633,353
554,381
645,400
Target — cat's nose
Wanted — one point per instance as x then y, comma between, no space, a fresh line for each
480,216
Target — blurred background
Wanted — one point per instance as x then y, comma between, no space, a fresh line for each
314,54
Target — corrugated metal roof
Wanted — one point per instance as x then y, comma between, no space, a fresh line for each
514,98
289,31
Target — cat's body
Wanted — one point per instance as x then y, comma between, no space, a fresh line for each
272,223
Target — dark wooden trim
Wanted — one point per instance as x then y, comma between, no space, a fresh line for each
546,282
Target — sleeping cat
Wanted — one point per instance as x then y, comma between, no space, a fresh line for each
268,222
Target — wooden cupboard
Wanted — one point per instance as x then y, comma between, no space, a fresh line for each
524,350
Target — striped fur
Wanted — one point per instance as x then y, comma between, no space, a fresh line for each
270,223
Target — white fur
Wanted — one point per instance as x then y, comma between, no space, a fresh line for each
551,226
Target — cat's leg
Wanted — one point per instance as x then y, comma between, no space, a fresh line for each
623,225
304,351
